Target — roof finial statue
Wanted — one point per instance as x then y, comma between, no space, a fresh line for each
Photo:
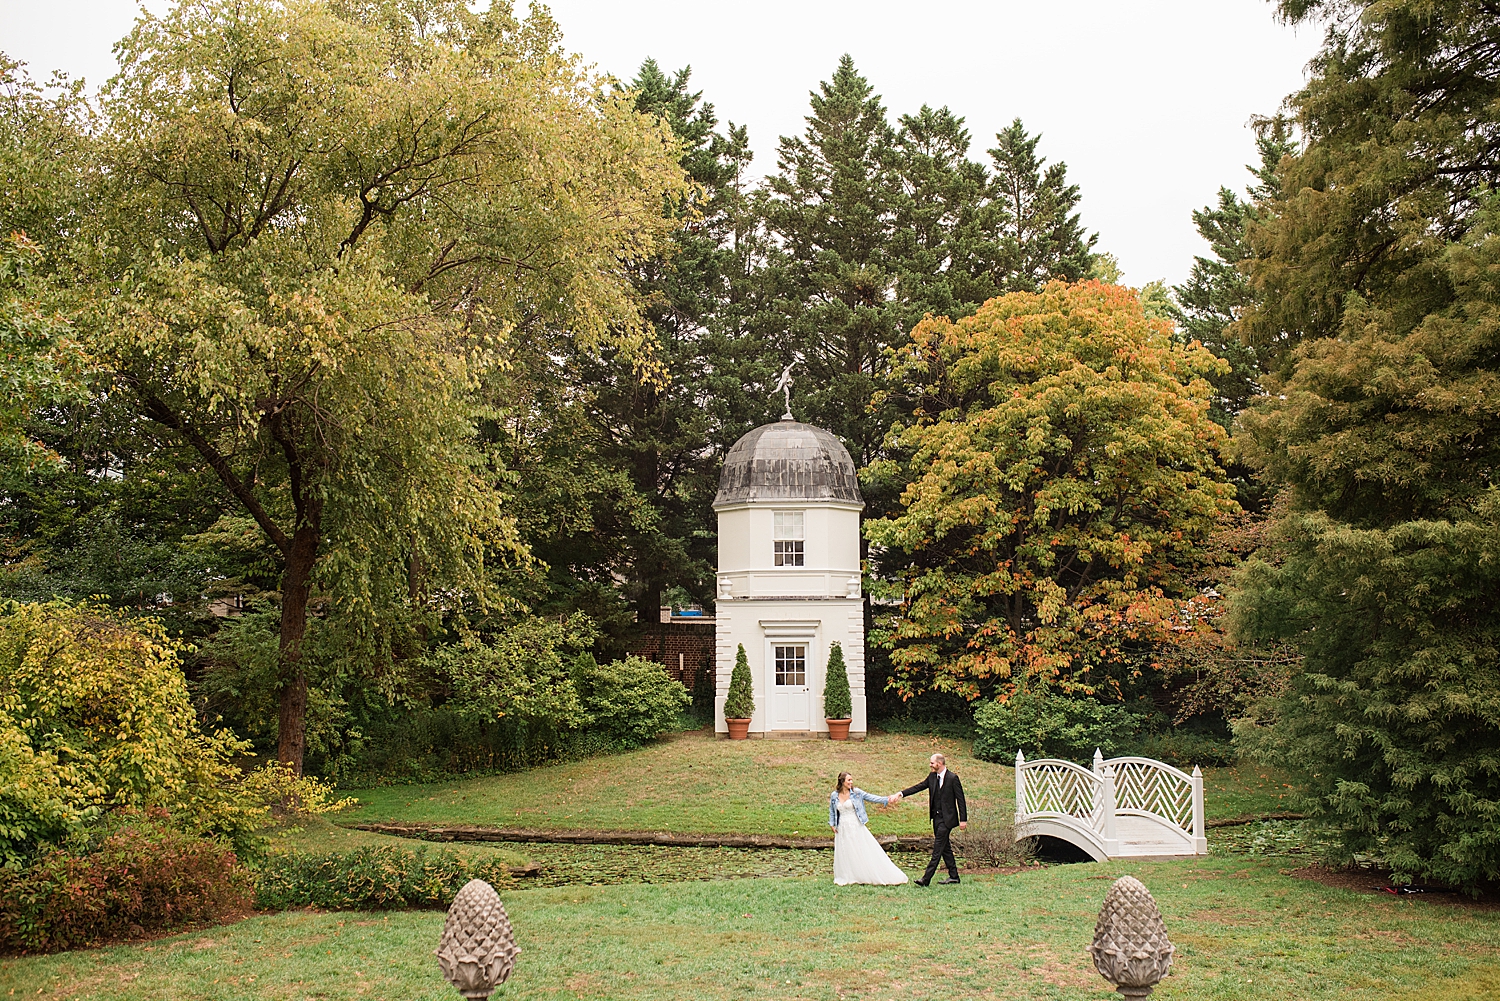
784,387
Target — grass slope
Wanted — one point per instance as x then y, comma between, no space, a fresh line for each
1243,931
694,783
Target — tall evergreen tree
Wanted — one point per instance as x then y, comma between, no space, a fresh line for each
1040,234
828,285
1218,292
1378,260
1400,120
944,240
871,228
669,432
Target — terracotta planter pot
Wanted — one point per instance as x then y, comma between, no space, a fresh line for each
838,729
739,729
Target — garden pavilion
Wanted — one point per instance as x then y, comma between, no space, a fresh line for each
789,576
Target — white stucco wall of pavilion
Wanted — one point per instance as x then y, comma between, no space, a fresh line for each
762,606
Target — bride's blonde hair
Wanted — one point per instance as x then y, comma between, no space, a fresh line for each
839,785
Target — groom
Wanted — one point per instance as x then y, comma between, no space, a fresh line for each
946,806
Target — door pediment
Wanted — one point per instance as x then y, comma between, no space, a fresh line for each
790,627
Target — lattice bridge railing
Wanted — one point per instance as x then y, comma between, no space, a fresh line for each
1061,787
1094,798
1153,787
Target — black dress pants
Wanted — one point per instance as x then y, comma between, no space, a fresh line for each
941,850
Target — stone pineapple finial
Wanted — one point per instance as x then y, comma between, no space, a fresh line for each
1130,947
477,951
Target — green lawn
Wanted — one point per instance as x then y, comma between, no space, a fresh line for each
1245,790
583,865
694,783
1243,931
670,923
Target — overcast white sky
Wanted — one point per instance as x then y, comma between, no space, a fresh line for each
1147,102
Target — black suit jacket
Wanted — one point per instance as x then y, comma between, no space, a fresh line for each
945,806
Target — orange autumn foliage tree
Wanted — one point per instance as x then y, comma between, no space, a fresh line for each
1061,475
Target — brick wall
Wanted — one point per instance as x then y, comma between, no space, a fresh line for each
683,649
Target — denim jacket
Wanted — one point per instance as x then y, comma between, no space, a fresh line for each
860,798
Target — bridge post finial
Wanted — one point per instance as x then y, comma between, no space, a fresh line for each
1098,761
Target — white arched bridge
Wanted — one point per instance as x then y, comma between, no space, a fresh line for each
1123,808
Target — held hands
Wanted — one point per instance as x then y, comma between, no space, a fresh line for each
893,799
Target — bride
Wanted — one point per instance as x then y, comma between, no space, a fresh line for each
857,856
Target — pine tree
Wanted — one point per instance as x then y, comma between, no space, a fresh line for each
827,286
739,702
944,241
663,432
1040,235
870,229
838,701
1218,291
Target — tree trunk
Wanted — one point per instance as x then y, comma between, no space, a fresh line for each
648,606
296,584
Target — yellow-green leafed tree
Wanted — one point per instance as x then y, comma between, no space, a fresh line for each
1060,476
316,226
95,716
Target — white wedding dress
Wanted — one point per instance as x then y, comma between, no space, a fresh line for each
857,856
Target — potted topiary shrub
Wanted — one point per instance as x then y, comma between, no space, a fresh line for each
739,704
838,703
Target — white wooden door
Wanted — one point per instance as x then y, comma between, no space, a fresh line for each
790,694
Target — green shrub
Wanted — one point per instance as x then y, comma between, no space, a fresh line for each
739,702
1391,724
838,702
1182,748
369,879
1050,726
134,875
491,701
286,796
520,673
427,744
516,695
95,717
240,682
631,701
940,714
511,703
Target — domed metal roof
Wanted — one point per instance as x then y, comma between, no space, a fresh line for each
788,461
